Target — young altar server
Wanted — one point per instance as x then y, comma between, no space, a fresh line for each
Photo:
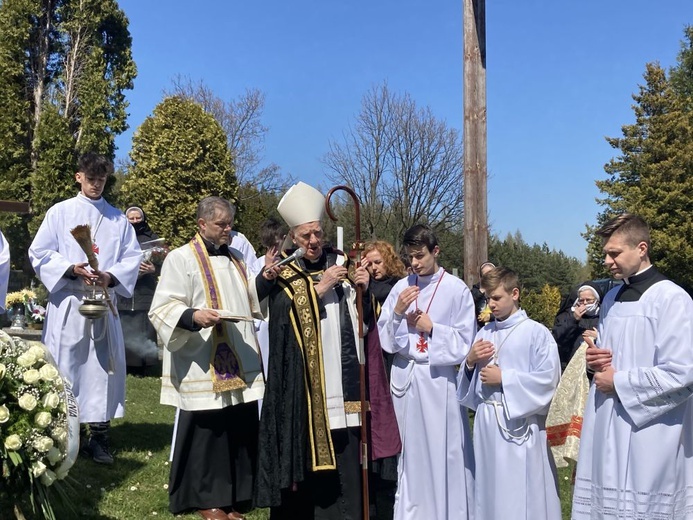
90,353
509,378
428,321
636,451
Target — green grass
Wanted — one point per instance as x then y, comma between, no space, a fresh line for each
135,486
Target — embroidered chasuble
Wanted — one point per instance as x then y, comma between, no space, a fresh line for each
305,319
313,377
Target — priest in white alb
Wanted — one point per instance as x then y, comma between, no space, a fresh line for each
90,353
203,311
636,451
428,321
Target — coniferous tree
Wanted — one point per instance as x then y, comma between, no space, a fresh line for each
64,67
653,176
179,156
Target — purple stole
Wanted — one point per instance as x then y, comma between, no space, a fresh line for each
225,367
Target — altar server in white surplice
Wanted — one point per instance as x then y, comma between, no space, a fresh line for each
90,353
428,321
203,311
509,378
636,451
4,270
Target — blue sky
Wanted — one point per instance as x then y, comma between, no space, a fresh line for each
560,75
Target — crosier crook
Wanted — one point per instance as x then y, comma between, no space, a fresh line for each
358,246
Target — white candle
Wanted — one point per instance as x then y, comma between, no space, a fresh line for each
340,238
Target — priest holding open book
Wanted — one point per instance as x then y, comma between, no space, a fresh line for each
202,310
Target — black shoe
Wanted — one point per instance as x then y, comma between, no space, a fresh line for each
84,449
98,446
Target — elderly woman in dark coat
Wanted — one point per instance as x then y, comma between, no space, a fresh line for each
140,337
577,316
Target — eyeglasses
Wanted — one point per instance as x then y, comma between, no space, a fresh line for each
586,301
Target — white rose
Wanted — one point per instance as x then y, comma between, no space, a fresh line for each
27,401
43,419
26,359
51,400
48,478
49,372
54,455
38,468
31,376
61,474
4,414
37,351
13,442
2,370
43,444
59,434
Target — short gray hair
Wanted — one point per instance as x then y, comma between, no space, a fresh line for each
208,206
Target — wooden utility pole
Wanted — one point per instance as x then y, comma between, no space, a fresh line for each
475,198
13,206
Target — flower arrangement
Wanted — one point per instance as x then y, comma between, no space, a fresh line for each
485,314
35,313
156,255
39,425
24,296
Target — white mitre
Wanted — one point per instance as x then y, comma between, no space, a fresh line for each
301,204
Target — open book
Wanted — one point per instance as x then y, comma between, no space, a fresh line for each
227,315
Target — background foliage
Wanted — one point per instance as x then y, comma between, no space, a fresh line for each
64,68
179,156
653,175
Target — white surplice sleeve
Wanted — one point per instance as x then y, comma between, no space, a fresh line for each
392,328
648,392
467,382
4,270
128,261
528,393
173,296
49,264
452,338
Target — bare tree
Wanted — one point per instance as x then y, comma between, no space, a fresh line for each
405,165
241,120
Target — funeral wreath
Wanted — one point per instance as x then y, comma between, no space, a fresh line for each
39,425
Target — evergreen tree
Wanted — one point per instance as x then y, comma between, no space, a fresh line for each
179,156
64,67
653,176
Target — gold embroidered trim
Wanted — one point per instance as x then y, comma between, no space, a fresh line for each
355,406
305,319
220,336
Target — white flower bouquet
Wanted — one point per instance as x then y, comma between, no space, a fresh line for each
39,424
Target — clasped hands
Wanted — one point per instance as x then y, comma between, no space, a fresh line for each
417,319
599,360
90,276
334,275
481,352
